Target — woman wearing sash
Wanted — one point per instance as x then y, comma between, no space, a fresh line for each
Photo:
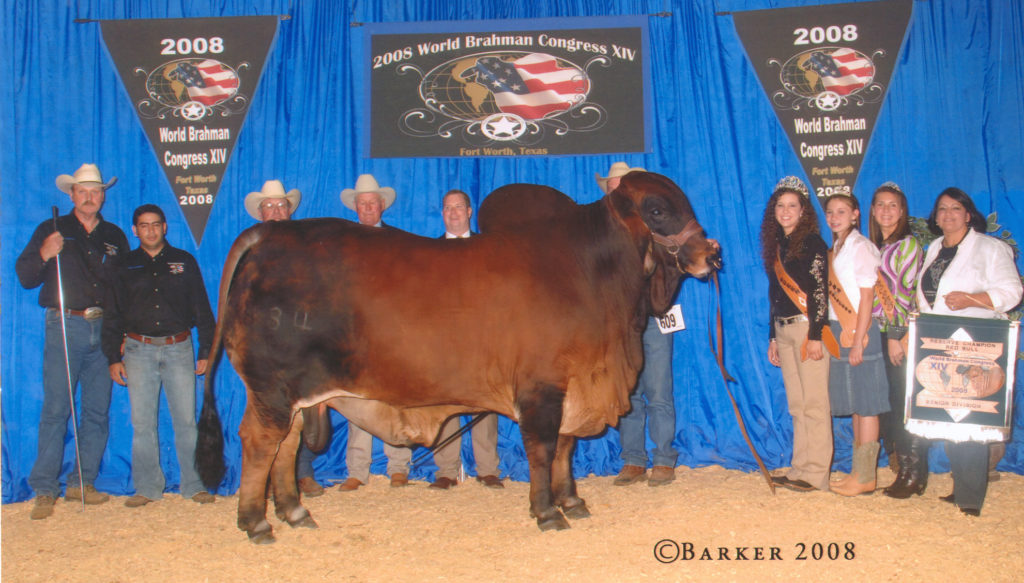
856,382
966,273
889,230
796,260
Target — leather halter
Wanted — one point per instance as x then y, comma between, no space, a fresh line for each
673,243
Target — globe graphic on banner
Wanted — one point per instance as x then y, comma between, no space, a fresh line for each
458,89
840,70
450,90
205,81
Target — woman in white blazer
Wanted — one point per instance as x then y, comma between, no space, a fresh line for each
966,273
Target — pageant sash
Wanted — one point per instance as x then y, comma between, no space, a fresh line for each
799,298
845,312
888,303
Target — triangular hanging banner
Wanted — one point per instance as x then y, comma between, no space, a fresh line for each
191,80
826,70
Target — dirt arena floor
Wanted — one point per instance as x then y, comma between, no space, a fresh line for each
472,533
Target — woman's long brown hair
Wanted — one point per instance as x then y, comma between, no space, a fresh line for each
772,234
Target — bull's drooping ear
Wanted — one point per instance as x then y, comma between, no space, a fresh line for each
664,282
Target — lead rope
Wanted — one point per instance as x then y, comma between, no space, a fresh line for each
422,457
718,352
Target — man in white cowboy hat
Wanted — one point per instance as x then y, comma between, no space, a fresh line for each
370,200
87,246
652,402
456,210
272,203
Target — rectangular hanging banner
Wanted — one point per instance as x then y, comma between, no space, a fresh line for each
191,81
960,378
507,87
826,70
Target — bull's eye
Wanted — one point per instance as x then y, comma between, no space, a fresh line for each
656,212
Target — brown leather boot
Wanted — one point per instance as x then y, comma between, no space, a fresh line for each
630,475
865,468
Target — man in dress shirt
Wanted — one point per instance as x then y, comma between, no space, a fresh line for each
158,296
87,245
456,211
370,200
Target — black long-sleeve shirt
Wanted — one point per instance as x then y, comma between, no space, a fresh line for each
810,272
86,263
157,296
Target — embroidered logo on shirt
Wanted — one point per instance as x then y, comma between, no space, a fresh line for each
176,268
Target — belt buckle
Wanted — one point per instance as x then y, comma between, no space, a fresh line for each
93,313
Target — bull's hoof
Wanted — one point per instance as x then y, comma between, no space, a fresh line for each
261,534
297,516
553,522
579,510
262,538
305,522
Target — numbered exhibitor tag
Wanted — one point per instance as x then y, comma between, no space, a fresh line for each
672,320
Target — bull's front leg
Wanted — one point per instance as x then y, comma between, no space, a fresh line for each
540,416
259,447
287,506
563,485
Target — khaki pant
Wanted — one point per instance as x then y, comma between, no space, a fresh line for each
485,448
360,453
807,395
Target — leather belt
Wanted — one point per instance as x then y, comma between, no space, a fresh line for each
790,320
92,313
160,339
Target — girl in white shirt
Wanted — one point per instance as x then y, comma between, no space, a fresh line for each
857,382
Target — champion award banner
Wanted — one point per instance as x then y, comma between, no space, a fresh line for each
826,70
507,87
191,81
960,378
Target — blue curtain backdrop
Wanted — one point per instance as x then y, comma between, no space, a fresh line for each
953,116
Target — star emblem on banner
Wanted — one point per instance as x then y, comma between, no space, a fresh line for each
503,126
828,101
193,110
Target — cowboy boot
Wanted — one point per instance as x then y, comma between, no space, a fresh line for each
916,478
865,467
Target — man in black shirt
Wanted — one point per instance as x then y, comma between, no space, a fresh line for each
87,245
157,298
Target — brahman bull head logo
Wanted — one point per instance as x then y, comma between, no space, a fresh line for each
662,222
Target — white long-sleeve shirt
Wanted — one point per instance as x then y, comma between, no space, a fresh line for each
981,264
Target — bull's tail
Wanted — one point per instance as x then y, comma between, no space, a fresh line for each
209,459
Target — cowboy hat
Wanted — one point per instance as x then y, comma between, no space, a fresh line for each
86,174
271,189
367,183
618,169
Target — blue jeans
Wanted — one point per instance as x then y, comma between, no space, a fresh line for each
652,401
88,370
147,366
304,467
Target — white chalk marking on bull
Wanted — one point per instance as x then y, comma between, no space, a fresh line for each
305,321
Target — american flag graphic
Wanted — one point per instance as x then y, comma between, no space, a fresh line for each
532,86
209,82
842,72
